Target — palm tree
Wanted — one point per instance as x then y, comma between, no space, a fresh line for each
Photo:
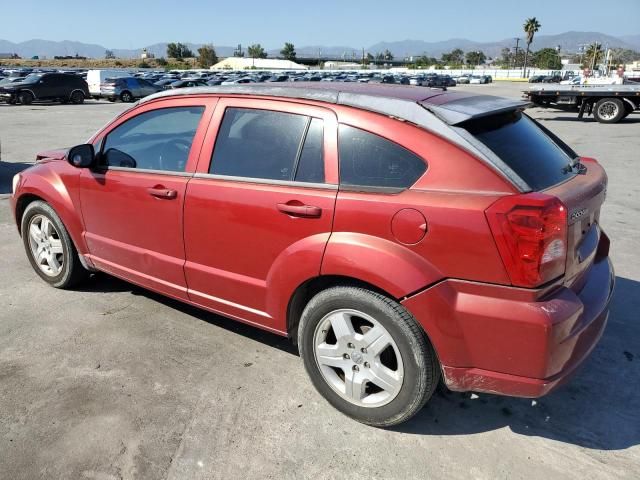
531,26
593,56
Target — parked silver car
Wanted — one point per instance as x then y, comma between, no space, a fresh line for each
127,89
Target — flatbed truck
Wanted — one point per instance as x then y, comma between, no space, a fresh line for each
607,103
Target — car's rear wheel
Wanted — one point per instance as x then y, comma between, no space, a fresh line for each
49,247
77,97
367,355
26,98
609,110
126,96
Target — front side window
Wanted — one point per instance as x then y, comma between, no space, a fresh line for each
155,140
269,145
368,160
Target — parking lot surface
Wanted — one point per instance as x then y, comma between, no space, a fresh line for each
115,382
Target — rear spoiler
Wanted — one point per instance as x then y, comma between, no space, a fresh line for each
472,107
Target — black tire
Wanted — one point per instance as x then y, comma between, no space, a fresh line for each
77,97
609,110
25,98
126,96
420,364
72,272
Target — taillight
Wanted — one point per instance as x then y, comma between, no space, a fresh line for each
530,231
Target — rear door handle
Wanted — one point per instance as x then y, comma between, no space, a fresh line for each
161,192
306,211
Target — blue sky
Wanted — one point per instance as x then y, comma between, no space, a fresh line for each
135,23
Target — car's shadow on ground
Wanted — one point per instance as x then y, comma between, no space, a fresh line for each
598,409
105,283
7,171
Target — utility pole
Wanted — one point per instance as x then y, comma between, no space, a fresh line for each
515,56
363,57
596,49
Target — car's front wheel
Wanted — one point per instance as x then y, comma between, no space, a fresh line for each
49,247
26,98
367,355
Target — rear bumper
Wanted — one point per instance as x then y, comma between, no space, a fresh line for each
514,341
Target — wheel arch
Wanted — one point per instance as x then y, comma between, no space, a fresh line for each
50,187
311,287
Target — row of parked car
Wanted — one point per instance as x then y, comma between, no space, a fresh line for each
27,85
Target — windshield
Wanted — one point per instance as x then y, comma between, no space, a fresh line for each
536,155
32,78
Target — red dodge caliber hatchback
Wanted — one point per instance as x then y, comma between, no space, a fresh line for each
399,235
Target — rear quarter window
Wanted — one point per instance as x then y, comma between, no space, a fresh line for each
368,160
539,159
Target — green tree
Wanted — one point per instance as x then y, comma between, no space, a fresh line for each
623,55
256,51
426,61
289,52
475,58
207,56
161,61
455,57
592,56
531,26
387,55
108,54
547,58
506,57
178,51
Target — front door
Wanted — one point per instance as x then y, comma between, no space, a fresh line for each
259,210
132,204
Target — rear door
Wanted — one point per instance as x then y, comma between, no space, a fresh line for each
260,208
132,205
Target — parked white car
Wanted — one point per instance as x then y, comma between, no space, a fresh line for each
572,81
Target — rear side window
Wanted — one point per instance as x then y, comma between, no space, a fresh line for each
310,167
524,147
368,160
269,145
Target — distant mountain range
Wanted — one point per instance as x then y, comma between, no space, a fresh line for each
569,42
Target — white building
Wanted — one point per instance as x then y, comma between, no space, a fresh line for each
245,63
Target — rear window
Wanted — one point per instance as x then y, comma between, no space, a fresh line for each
532,154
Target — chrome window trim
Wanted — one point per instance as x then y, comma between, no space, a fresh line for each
266,181
148,170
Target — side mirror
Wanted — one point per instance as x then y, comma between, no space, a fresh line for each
82,156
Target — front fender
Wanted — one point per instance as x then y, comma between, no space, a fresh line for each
56,183
389,266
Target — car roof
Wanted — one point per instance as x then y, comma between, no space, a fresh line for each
410,103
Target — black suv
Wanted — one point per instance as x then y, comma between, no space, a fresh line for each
62,87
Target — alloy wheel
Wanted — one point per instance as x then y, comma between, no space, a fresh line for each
358,358
46,245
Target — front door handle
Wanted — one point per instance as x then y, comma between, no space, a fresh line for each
306,211
161,192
